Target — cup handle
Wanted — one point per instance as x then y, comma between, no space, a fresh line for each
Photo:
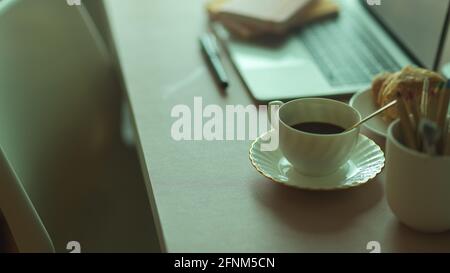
274,106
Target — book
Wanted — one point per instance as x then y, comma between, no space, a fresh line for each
245,25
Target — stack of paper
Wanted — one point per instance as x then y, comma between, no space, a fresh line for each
252,18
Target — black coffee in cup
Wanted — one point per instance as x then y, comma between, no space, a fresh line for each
322,128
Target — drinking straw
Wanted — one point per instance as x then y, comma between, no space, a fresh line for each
433,101
424,97
405,121
431,134
442,111
414,108
414,103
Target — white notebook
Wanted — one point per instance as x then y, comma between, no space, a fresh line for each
270,11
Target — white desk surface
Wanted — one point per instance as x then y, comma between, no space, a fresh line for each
206,195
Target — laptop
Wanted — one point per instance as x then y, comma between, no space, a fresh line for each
341,55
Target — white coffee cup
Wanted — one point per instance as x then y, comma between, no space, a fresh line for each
417,185
316,154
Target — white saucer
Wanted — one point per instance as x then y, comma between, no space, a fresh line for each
364,103
366,161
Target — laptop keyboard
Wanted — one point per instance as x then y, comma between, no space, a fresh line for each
346,51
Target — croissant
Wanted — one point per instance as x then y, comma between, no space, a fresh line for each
409,81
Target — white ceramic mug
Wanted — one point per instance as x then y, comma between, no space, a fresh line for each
316,154
417,185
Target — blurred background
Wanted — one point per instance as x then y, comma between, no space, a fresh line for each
65,129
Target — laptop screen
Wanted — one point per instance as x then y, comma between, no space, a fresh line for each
417,24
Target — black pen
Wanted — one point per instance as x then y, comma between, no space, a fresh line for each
210,48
